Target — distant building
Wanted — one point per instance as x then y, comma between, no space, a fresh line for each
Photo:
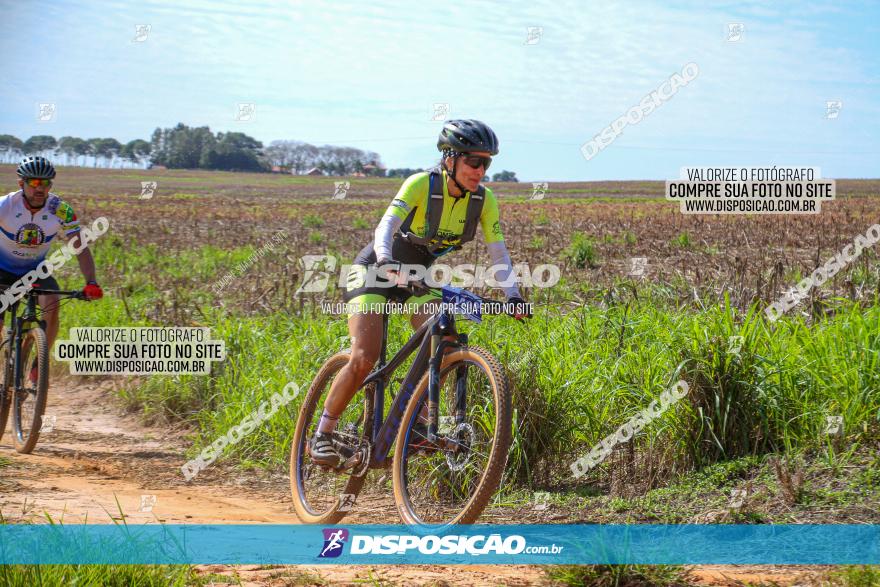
371,169
314,171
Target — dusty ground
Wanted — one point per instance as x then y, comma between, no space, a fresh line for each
97,463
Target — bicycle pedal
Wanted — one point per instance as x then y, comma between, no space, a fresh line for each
355,459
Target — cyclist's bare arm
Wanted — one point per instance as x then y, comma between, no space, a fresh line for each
84,258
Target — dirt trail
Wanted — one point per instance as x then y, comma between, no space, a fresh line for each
94,456
94,463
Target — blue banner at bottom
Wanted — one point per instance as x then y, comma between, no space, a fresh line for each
478,544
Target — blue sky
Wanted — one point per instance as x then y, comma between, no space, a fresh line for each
367,75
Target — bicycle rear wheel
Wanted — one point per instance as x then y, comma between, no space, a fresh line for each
323,496
451,481
29,404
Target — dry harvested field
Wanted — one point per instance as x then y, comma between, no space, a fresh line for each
704,256
163,254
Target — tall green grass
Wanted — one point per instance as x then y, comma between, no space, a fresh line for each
95,574
577,374
128,575
576,378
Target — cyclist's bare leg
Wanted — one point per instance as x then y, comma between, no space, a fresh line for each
49,307
49,313
365,331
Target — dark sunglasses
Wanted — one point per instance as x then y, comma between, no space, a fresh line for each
34,183
476,162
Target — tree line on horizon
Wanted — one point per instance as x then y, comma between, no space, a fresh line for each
185,147
106,150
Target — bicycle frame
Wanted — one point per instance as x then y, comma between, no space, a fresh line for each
431,347
16,330
15,334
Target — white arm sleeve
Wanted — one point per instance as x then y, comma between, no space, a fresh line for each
500,256
384,235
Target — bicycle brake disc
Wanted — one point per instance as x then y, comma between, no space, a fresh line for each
463,436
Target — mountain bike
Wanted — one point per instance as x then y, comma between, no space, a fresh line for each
445,466
24,346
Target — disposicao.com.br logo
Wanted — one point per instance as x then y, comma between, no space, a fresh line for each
453,544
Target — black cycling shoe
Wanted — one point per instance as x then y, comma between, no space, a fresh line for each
322,450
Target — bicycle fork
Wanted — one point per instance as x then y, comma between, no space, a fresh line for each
438,348
9,359
17,326
15,335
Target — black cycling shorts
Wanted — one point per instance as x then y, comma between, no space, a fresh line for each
7,279
356,292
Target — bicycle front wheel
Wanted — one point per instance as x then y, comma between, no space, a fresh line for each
451,481
29,404
5,384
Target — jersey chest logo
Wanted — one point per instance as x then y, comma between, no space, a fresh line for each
30,235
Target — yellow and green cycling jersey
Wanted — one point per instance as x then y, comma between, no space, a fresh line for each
414,195
413,198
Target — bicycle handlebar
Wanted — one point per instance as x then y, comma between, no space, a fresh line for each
38,291
73,293
489,306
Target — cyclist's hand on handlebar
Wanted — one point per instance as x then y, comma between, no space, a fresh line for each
93,291
389,269
418,287
386,261
518,308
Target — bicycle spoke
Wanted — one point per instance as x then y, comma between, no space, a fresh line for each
317,490
440,482
30,401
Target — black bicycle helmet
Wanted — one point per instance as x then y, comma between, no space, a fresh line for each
35,168
467,136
